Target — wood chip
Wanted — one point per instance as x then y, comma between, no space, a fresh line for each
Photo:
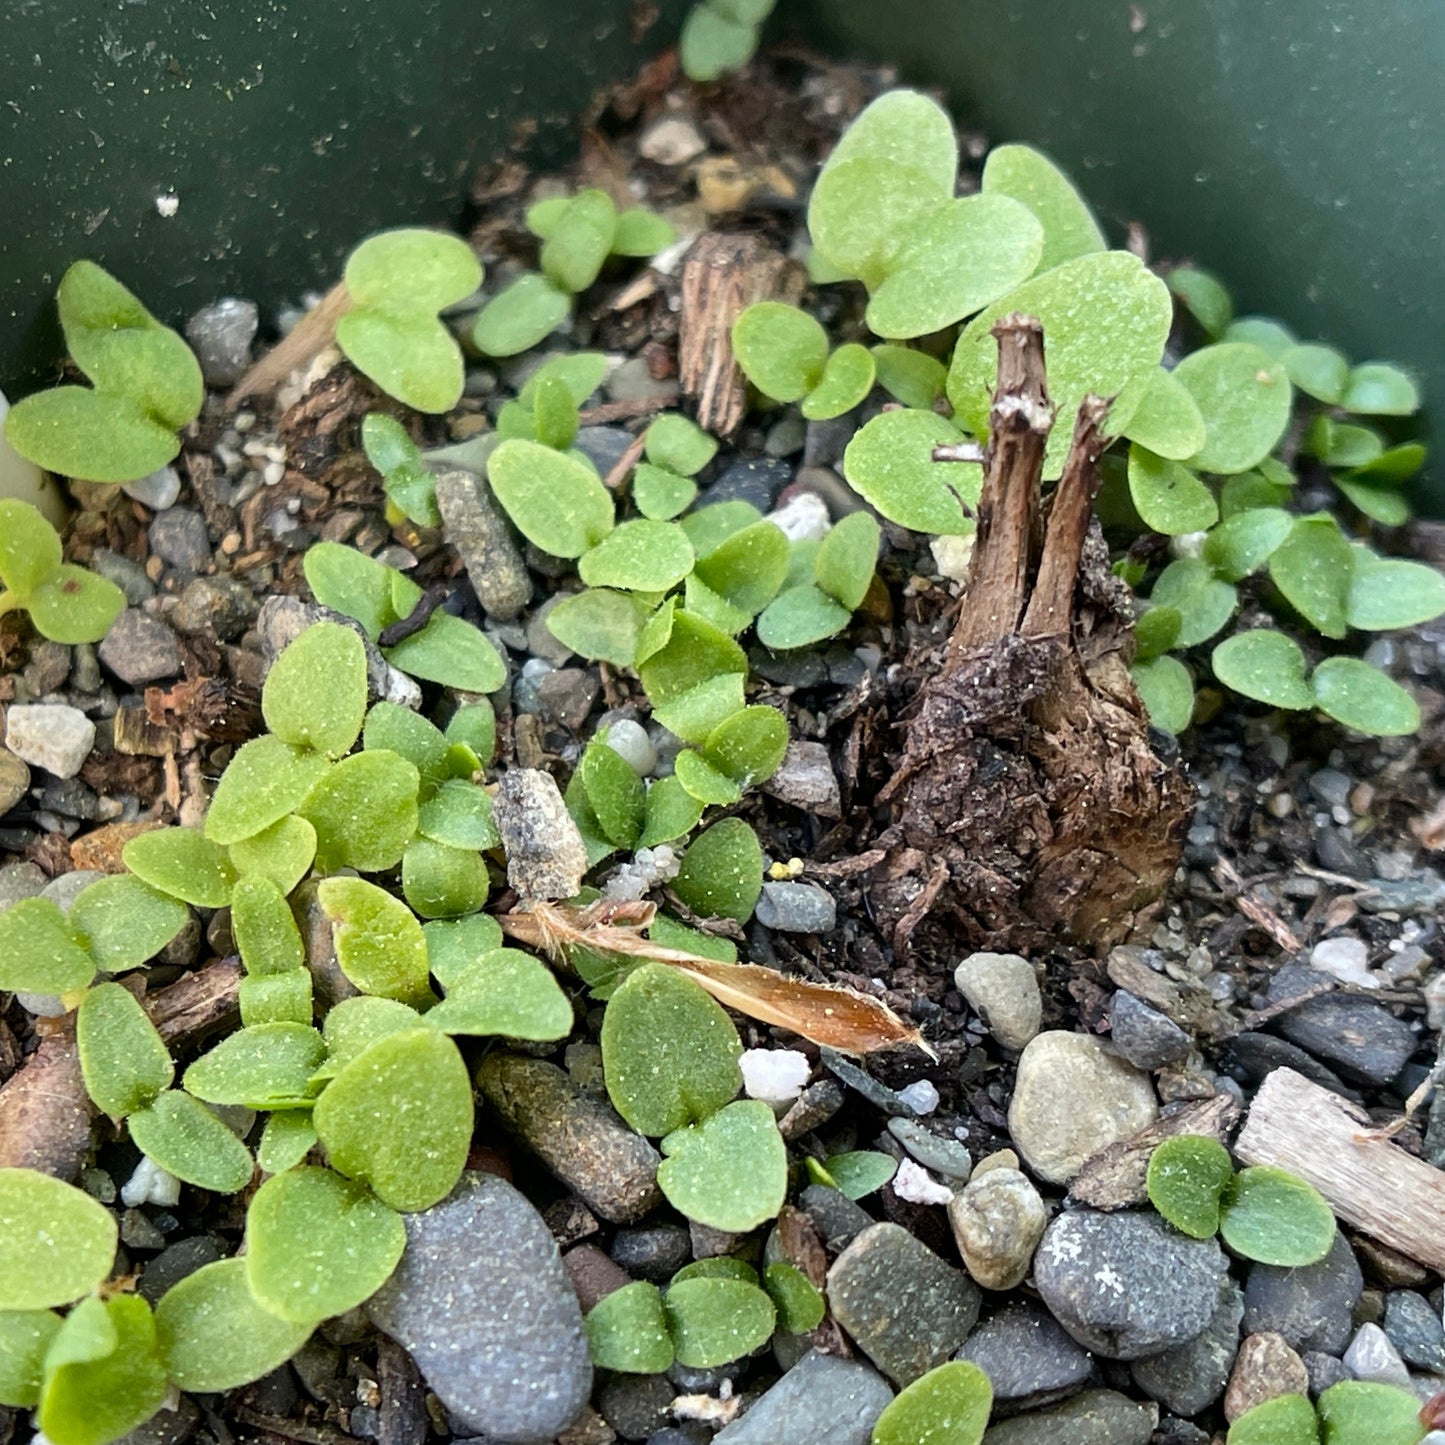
1368,1181
197,1004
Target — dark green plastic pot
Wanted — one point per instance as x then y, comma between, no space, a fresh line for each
1296,147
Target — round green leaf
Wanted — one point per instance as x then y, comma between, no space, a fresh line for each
318,1245
1244,542
1167,691
277,998
1264,665
1204,298
627,1331
1380,504
1318,371
722,872
1167,419
186,1139
287,1138
1378,389
889,463
1106,318
39,950
521,316
858,1172
399,1118
661,494
354,1024
459,814
799,1303
1364,698
75,605
615,792
1244,396
1284,1420
88,435
411,357
1385,594
782,350
1156,630
56,1242
579,240
961,257
184,863
281,854
398,730
30,550
349,582
847,378
25,1339
800,617
264,928
315,692
505,992
713,1321
669,1052
846,558
639,556
1204,603
679,444
1169,497
97,1395
711,45
904,127
730,1171
693,715
864,212
703,781
1188,1175
124,1060
1366,1412
712,524
554,413
266,1066
411,269
379,944
123,922
364,811
1313,568
641,232
671,812
950,1405
440,881
1252,490
265,780
558,503
214,1336
452,652
1260,331
1029,176
913,377
1276,1218
748,747
717,1266
599,624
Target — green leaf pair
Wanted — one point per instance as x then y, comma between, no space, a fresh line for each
146,386
676,450
65,602
1351,1412
407,480
398,282
832,579
547,408
784,353
720,36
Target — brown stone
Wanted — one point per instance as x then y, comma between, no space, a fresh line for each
101,848
594,1276
1264,1368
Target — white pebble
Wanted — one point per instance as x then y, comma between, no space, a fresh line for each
776,1076
921,1096
915,1184
167,205
150,1184
1187,544
649,868
42,1005
1371,1356
1346,959
158,490
50,736
952,556
630,742
536,668
803,519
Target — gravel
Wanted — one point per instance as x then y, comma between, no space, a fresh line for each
221,335
998,1220
1147,1038
1003,990
1029,1357
178,536
546,857
139,649
475,526
797,908
1190,1377
1363,1041
50,736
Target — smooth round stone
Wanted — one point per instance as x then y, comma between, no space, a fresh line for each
1072,1097
998,1220
1003,990
157,491
1126,1285
1264,1368
797,908
822,1400
630,742
1027,1355
1095,1417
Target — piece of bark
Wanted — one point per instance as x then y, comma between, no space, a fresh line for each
1029,802
197,1004
402,1419
1115,1177
723,274
45,1113
1368,1181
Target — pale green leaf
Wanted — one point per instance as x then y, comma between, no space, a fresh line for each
1264,665
730,1171
1364,698
1029,176
56,1242
186,1139
889,463
379,944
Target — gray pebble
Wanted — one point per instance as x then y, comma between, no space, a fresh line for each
629,740
50,736
814,1106
157,491
539,639
838,1219
862,1082
1335,851
1192,1376
1415,1329
475,526
576,1136
1311,1306
1256,1054
805,780
1096,1417
546,857
906,1309
1331,787
1323,1371
826,441
20,880
568,694
656,1253
178,536
129,576
636,1405
755,479
632,381
603,446
797,908
934,1151
173,1264
1126,1285
1363,1041
482,1302
1028,1356
217,607
1371,1355
1003,990
140,648
1419,896
45,673
823,1400
221,335
997,1220
1146,1037
787,436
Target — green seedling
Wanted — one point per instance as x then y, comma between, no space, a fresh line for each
715,1320
950,1405
65,602
720,37
578,234
784,353
855,1173
730,1171
145,386
1352,1412
409,483
398,281
547,408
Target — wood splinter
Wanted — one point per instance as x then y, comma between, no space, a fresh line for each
1029,802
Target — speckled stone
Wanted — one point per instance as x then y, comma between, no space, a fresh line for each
1190,1377
1096,1417
822,1400
1311,1306
1027,1355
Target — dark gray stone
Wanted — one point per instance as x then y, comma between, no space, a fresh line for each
172,1265
546,857
823,1400
1415,1330
797,908
140,649
482,1302
217,607
1323,1371
575,1135
568,695
1335,851
603,446
836,1217
814,1106
129,576
906,1309
656,1253
636,1405
1254,1055
221,335
1362,1040
1422,895
1192,1376
1028,1356
178,536
1126,1285
1311,1306
1146,1037
755,479
934,1151
862,1082
1097,1417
